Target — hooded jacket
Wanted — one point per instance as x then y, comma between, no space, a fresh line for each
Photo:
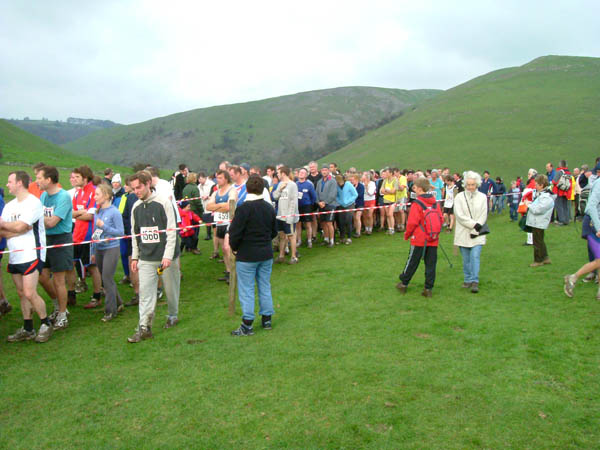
415,224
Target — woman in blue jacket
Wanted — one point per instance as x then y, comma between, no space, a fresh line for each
108,223
346,196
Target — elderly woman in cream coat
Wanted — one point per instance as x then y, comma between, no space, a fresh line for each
470,210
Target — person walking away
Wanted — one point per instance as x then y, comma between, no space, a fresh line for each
470,210
563,189
155,250
250,235
423,227
539,213
108,223
590,231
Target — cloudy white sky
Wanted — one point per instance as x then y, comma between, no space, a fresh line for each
131,61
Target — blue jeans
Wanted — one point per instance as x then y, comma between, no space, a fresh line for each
471,257
513,211
498,204
247,273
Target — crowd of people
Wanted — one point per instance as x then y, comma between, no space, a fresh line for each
59,238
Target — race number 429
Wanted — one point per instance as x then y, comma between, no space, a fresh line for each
150,235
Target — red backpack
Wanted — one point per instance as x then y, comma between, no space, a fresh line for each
432,221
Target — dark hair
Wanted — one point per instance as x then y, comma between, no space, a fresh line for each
85,172
182,166
448,178
225,174
50,172
236,169
255,184
38,166
256,169
285,169
107,171
269,167
96,180
201,174
563,163
143,176
486,171
21,176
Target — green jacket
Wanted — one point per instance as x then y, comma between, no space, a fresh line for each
191,191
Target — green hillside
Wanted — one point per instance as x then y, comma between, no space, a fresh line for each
17,147
59,132
505,121
293,128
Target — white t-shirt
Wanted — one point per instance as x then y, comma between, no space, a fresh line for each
30,211
370,191
164,189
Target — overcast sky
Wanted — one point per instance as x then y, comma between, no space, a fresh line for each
133,61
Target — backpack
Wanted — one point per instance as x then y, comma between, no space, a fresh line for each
432,221
583,197
564,182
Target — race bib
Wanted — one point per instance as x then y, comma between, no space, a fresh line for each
221,216
300,194
97,234
79,207
48,211
150,235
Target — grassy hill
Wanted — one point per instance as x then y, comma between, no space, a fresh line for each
59,132
293,128
19,148
505,121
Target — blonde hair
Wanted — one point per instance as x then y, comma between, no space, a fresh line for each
106,190
192,178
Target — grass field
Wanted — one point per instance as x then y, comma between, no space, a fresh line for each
350,363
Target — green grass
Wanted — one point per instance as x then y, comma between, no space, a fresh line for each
505,122
293,129
19,147
350,363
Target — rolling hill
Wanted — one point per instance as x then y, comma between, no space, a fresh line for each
292,128
59,132
18,147
505,121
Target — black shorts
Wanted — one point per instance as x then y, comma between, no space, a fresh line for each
306,209
82,252
208,218
330,213
285,227
449,210
59,259
25,268
221,232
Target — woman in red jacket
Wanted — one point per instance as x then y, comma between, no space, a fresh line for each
423,227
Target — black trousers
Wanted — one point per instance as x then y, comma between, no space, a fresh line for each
540,252
412,264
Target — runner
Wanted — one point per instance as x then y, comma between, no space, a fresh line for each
58,214
219,205
22,223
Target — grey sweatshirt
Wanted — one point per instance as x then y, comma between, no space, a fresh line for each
148,217
327,192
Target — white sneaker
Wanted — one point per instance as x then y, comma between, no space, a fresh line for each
44,333
61,322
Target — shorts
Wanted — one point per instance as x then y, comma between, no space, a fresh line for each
25,268
305,209
208,218
286,228
369,203
82,253
221,232
328,217
401,204
59,259
449,210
